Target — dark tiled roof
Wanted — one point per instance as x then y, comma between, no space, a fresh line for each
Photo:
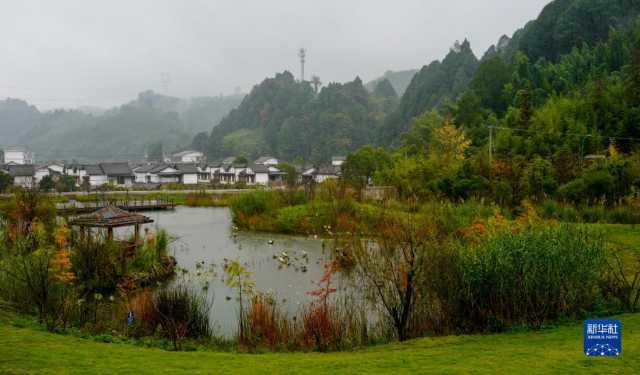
93,170
188,168
329,170
21,170
260,168
117,169
145,168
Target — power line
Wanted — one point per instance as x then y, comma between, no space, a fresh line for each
563,134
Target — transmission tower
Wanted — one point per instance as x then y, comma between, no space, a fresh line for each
302,54
165,79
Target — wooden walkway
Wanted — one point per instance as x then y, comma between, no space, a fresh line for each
75,207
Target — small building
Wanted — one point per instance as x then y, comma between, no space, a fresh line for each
94,175
188,156
321,174
18,155
41,172
188,173
143,173
23,175
337,161
118,173
267,160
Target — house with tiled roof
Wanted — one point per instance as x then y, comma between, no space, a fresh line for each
118,173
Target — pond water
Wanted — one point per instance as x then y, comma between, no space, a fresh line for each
206,235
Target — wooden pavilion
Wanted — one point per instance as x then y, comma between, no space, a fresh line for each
108,218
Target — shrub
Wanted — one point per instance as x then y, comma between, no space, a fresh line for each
253,203
267,324
182,313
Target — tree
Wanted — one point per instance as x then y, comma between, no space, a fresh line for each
200,142
315,81
46,184
65,184
392,264
489,83
384,89
360,166
447,150
155,152
6,181
291,175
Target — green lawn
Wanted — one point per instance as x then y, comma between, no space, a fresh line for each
559,350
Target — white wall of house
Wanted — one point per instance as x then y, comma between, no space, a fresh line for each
56,168
141,178
98,180
189,157
24,181
18,157
169,179
121,180
270,162
320,178
190,178
262,178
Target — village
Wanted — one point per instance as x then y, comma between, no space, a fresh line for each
189,168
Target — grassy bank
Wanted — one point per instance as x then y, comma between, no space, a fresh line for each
558,350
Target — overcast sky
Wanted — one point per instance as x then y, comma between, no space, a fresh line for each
68,53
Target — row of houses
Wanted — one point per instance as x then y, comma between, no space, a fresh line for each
263,171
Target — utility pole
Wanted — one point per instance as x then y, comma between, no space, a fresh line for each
302,54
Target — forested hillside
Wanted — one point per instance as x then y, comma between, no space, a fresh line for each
284,117
432,86
125,132
564,124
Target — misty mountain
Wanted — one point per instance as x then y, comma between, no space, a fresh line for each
119,133
400,80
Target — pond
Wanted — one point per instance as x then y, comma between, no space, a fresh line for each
206,235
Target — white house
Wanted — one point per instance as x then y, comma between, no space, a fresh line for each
188,173
94,175
204,174
143,173
23,175
165,174
18,155
337,161
77,171
40,173
321,174
267,160
118,173
188,156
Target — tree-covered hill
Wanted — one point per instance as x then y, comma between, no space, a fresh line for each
432,86
124,132
284,117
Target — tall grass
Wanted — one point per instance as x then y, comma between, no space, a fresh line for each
532,277
182,313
